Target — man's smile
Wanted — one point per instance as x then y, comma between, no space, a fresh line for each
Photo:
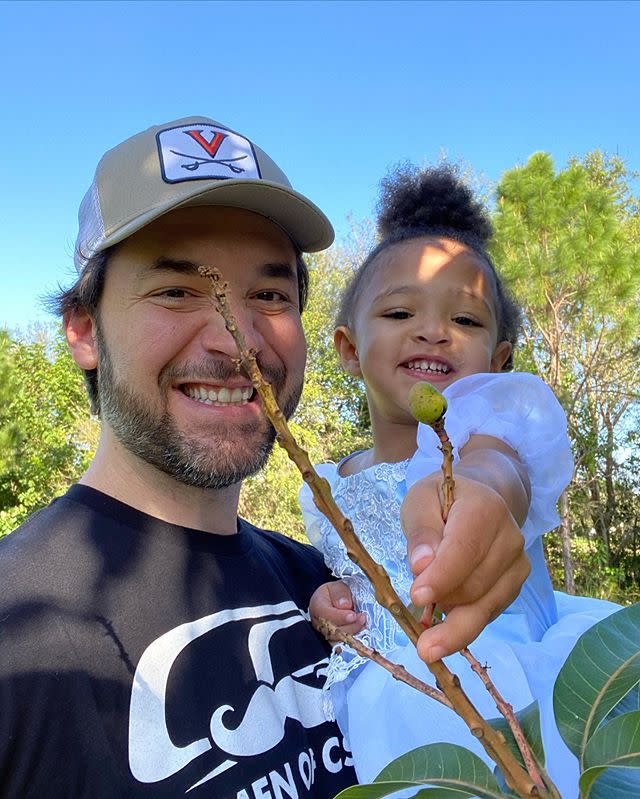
210,395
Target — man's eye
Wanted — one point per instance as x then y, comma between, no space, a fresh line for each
466,321
173,293
271,296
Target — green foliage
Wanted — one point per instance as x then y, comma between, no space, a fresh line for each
55,436
564,248
333,403
593,576
452,770
569,243
616,745
600,671
9,431
270,498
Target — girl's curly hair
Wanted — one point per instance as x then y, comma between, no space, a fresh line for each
433,202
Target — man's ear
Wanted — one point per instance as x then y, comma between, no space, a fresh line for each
501,355
79,329
345,345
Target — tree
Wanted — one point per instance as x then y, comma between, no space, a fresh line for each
9,432
55,433
567,243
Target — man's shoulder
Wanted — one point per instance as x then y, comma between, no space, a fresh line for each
45,547
28,537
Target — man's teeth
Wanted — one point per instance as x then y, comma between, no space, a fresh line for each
223,396
429,366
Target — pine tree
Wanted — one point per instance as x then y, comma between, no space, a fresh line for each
566,242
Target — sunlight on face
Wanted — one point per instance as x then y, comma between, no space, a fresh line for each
427,313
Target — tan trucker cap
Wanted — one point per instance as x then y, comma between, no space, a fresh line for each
191,161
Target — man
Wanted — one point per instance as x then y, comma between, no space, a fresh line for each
153,644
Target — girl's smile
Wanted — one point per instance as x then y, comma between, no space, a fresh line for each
431,368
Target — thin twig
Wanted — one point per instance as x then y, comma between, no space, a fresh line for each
492,741
506,710
448,483
398,672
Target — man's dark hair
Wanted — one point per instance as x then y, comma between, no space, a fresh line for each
86,292
433,202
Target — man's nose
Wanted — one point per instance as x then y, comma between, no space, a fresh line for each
216,338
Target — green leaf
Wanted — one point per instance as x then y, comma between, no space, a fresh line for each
441,764
602,668
451,770
379,789
617,783
615,745
627,704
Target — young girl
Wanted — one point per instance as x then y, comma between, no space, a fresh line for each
427,304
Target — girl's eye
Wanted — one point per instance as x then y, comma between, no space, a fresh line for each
466,321
397,314
175,294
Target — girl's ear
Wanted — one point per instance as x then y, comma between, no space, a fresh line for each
79,329
345,345
501,355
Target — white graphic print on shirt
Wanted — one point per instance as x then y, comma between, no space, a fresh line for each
251,719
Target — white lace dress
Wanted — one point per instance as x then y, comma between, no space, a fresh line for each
525,647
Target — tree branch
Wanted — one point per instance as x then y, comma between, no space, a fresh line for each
332,632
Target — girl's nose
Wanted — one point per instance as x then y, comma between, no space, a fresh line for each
432,332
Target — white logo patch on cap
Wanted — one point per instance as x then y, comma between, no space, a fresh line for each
201,151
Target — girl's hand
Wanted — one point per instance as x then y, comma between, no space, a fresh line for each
472,567
334,602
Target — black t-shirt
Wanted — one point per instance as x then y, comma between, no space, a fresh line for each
142,659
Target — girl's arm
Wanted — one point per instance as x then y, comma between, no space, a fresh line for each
473,566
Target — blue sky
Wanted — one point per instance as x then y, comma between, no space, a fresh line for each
336,92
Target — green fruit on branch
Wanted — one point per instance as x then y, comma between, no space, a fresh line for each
427,403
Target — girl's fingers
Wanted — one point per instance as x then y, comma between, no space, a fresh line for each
356,627
347,622
462,577
334,602
464,623
339,595
472,557
422,543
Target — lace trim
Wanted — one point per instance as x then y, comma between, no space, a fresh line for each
371,500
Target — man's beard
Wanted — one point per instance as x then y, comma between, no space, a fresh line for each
235,451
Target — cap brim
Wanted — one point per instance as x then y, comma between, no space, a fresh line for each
302,221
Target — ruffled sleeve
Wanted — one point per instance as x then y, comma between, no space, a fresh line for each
314,520
521,410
